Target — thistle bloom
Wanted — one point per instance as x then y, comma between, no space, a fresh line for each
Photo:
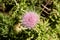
30,19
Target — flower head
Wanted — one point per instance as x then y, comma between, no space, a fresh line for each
30,19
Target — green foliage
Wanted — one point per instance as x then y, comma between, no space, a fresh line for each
46,29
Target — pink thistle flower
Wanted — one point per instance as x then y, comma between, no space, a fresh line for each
30,19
